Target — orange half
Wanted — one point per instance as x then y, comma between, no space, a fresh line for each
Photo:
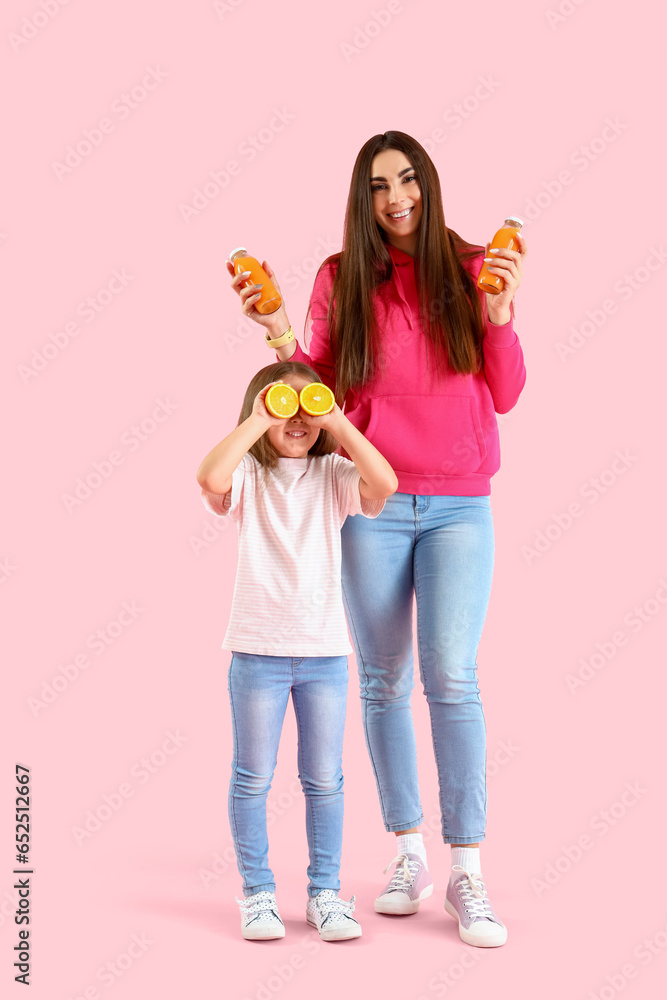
282,400
317,399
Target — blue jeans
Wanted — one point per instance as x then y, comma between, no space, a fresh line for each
259,689
442,549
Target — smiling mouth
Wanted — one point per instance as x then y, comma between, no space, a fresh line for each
400,215
295,434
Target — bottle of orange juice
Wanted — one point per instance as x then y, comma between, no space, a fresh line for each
505,237
269,299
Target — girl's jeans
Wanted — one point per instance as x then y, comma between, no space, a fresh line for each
259,689
442,548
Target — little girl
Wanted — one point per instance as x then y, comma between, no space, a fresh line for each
289,494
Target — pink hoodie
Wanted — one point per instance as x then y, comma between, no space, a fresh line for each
439,433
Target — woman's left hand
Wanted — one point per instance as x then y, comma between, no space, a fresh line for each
507,264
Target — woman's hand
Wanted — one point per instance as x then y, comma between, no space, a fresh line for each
507,264
276,322
259,408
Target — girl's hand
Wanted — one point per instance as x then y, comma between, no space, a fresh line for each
327,421
507,264
259,408
249,296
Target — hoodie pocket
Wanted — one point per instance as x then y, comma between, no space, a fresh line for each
428,435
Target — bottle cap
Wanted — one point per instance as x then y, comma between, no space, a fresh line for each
236,250
514,218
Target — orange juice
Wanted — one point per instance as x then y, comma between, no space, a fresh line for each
269,299
505,237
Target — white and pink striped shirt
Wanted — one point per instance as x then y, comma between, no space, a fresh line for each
287,596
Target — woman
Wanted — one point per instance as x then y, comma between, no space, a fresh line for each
421,360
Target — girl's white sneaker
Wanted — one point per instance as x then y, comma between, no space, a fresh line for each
260,920
332,916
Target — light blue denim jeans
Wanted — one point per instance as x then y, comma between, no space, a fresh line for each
441,548
259,689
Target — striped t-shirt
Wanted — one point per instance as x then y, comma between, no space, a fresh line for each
287,597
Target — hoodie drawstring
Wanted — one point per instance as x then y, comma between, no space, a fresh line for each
401,294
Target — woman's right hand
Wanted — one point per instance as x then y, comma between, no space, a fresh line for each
276,322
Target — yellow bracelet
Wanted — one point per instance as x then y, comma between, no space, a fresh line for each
280,341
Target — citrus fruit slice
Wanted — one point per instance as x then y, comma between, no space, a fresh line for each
282,400
317,399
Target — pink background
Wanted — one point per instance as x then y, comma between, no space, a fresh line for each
558,758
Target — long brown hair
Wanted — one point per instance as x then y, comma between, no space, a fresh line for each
449,305
262,449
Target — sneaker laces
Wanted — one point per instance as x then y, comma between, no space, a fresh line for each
473,893
258,905
407,870
330,905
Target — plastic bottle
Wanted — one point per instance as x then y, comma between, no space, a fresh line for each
269,299
505,237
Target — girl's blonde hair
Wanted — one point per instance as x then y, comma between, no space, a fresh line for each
263,450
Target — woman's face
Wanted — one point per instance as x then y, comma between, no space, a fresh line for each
397,200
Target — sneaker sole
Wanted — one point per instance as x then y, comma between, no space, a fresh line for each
337,935
474,939
249,935
402,906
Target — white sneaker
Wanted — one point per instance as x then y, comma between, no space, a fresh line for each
332,916
260,920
